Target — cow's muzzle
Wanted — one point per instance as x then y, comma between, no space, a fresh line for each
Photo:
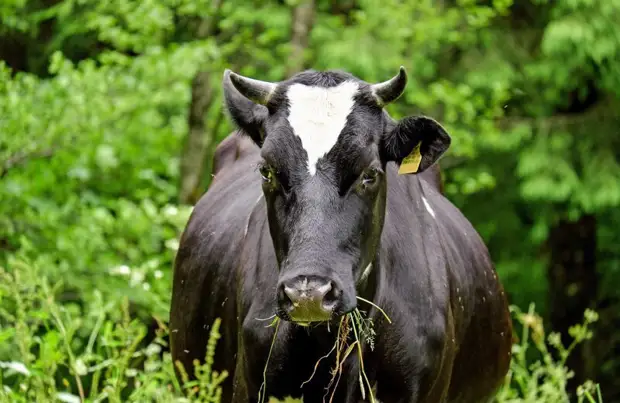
305,299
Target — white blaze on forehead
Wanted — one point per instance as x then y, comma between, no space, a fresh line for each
428,206
318,115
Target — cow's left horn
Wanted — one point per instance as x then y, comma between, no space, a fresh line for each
255,90
388,91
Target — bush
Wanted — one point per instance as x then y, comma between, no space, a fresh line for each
544,380
97,351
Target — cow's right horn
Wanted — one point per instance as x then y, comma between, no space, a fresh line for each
255,90
391,89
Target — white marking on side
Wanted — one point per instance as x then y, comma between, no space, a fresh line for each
247,223
366,273
318,115
428,206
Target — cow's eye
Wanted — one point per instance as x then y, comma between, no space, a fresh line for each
266,173
370,176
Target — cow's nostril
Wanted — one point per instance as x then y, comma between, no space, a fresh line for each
331,298
284,299
289,293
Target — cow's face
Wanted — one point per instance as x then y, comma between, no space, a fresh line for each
325,141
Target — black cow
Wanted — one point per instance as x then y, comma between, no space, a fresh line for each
313,214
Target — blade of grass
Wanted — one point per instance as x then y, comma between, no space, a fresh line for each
376,306
346,354
261,398
361,359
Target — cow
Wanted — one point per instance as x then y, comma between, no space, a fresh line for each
229,150
332,208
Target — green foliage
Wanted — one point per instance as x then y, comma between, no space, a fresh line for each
95,351
546,379
88,352
93,118
94,222
580,44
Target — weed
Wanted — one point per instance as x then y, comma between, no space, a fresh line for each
95,352
63,352
546,379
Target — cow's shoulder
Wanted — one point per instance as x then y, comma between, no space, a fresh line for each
209,254
219,218
215,236
455,231
433,176
425,234
411,244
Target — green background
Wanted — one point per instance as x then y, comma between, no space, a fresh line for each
110,113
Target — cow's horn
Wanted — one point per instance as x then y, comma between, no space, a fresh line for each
255,90
388,91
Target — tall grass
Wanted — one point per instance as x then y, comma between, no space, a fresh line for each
96,352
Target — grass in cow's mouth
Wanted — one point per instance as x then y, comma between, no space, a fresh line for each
263,388
363,332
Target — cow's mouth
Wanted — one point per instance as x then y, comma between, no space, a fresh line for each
306,311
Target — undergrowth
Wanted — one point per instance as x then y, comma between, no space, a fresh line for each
546,379
96,352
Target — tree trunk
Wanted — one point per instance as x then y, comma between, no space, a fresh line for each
197,141
573,287
210,154
199,138
302,21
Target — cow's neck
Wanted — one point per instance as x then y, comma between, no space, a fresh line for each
366,285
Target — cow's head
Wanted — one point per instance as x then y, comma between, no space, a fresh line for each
325,141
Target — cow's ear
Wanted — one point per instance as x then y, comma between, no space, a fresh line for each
248,115
415,143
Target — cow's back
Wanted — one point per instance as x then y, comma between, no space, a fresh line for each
206,262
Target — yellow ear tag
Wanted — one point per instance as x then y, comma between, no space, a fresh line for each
411,163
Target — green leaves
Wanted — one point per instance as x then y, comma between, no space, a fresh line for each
92,124
546,379
87,352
